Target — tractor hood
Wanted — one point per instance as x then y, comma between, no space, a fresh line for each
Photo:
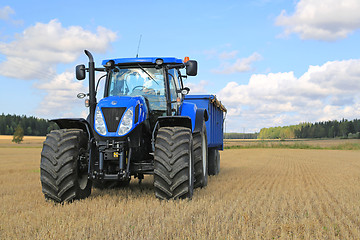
117,116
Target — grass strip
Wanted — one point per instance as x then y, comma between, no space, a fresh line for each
345,146
21,146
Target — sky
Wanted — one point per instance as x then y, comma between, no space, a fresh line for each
270,62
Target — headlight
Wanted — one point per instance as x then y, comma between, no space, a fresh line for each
127,122
99,122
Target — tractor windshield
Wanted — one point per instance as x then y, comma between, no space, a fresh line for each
139,81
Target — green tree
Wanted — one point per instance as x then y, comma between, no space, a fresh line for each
28,131
18,134
344,128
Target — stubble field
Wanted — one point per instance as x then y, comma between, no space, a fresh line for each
260,193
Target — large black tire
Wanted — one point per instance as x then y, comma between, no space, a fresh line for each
63,166
214,161
200,158
174,163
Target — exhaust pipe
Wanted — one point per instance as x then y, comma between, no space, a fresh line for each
92,96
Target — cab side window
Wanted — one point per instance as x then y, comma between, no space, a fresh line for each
174,86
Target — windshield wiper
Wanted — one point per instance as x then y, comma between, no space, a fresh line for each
148,74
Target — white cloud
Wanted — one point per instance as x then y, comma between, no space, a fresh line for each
199,88
5,15
5,12
327,20
325,92
45,45
26,68
61,94
240,65
38,50
228,55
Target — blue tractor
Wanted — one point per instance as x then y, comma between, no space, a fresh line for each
144,124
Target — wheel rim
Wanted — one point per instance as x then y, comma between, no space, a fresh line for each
191,173
82,170
203,139
190,167
83,179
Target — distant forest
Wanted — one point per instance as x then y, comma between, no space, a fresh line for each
32,126
240,135
329,129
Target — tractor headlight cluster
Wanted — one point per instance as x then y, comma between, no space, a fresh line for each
127,122
99,122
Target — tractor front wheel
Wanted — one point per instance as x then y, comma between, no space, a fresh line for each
64,160
173,163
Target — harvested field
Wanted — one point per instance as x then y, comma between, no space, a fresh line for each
28,141
260,193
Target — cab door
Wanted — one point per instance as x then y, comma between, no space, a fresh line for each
175,94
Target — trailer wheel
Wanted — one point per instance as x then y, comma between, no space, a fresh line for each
64,160
173,163
201,158
214,161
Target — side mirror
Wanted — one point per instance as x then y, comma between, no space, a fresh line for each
191,68
81,95
185,91
80,72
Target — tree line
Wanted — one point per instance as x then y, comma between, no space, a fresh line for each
32,126
328,129
240,135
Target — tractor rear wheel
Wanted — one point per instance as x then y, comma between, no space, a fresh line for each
214,161
173,163
201,158
64,160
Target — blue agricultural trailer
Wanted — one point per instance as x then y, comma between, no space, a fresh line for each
145,123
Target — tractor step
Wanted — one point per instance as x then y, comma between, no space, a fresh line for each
111,177
104,176
143,167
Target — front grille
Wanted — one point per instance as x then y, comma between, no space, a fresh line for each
112,117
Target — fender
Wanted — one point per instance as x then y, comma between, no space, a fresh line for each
188,109
174,121
79,123
197,115
201,115
170,121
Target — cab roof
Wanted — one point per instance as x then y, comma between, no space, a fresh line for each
150,60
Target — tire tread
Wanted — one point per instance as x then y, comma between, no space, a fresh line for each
58,165
171,174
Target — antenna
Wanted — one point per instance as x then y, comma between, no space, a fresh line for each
137,54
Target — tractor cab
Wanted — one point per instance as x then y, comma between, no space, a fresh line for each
146,83
145,87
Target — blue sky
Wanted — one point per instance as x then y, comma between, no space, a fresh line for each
272,63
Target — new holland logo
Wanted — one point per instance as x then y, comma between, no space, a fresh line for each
113,102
